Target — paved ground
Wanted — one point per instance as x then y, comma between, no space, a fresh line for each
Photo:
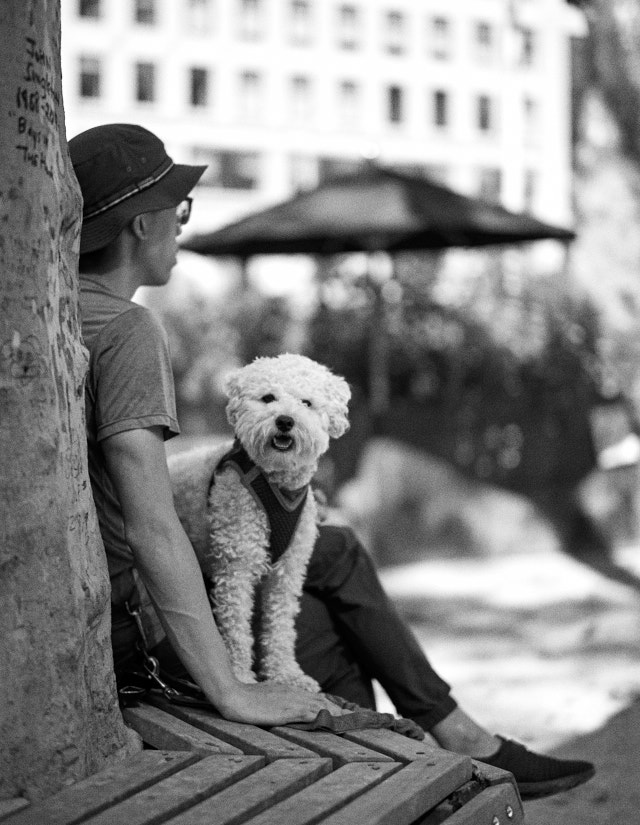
539,648
613,796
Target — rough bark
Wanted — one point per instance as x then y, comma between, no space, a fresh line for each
59,718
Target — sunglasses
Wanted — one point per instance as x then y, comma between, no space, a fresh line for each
183,211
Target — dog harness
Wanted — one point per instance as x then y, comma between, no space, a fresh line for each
282,509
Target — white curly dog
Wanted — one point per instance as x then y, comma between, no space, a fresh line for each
250,514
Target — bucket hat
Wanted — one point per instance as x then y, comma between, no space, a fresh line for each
124,170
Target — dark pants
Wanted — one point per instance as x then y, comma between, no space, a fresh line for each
348,634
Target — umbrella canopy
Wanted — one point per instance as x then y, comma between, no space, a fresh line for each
376,209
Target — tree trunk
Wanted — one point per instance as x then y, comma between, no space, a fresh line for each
59,718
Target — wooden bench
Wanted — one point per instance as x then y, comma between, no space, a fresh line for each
200,769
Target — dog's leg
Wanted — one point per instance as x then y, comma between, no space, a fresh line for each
280,604
235,563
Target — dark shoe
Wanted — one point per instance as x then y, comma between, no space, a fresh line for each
538,775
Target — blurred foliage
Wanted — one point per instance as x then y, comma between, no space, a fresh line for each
210,335
498,378
607,62
489,366
606,138
262,325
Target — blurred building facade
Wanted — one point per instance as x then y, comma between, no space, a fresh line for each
275,95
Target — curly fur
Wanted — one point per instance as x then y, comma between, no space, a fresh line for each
230,531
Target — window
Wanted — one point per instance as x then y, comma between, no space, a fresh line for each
89,8
484,113
412,170
349,103
394,30
199,16
530,190
440,38
250,102
394,104
304,172
301,109
438,172
300,22
145,12
440,108
145,82
227,169
489,184
531,118
331,168
484,42
348,24
250,20
198,87
528,47
90,77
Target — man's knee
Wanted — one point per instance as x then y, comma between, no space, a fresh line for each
333,538
337,553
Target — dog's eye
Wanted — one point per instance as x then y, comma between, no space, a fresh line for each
268,399
306,402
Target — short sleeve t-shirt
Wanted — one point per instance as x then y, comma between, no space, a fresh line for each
129,386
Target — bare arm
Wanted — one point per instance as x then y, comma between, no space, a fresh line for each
167,564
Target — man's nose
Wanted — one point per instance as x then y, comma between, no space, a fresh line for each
284,423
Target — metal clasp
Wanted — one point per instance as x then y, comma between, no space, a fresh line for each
151,664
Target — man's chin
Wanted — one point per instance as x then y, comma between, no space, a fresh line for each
161,278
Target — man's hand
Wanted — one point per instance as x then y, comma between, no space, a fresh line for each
266,703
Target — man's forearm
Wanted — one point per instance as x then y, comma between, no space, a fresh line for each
174,582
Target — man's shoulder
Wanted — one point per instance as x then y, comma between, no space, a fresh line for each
104,315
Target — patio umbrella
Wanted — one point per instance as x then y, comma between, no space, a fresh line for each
375,209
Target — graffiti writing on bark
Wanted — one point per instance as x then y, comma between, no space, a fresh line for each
37,102
22,357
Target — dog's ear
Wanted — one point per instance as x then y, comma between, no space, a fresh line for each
232,388
338,395
231,383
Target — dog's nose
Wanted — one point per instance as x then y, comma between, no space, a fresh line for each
284,423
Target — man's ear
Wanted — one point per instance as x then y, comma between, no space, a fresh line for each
139,226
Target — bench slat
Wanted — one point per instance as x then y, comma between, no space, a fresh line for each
492,775
257,793
10,806
497,803
248,738
90,796
342,751
404,797
398,747
327,794
180,791
166,732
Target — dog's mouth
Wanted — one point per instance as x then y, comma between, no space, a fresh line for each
282,442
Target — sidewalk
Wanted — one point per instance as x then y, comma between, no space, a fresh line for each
612,797
539,648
